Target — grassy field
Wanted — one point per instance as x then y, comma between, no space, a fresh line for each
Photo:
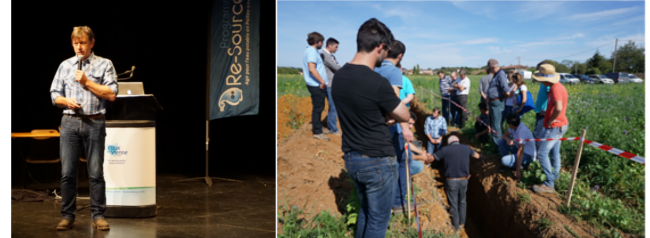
611,189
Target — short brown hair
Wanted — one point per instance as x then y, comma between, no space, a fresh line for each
441,72
79,31
314,38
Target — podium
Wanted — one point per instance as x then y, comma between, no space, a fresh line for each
130,154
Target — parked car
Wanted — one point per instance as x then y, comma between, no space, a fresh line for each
635,79
567,78
619,77
601,79
583,78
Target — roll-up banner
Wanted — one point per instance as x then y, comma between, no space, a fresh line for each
234,58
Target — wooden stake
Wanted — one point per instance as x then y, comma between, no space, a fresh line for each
408,180
575,166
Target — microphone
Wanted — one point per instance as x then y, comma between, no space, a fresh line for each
79,58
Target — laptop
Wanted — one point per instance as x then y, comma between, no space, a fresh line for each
130,88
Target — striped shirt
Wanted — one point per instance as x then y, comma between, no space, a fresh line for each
435,127
99,70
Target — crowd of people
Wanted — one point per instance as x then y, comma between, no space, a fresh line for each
370,97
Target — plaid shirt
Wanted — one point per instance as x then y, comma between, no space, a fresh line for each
99,70
435,127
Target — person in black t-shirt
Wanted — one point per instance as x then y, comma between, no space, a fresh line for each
366,105
456,157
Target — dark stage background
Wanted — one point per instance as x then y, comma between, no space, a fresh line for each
167,42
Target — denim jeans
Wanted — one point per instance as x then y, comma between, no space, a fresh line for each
318,104
456,191
400,188
551,164
506,111
539,129
89,135
430,146
509,154
375,180
462,114
496,110
331,114
445,108
454,109
415,166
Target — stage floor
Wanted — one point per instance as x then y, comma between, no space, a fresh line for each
188,209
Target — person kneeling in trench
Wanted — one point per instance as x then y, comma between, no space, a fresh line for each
418,157
456,157
525,151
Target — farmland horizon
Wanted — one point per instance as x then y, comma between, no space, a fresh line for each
557,30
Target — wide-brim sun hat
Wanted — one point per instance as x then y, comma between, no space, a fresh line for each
546,73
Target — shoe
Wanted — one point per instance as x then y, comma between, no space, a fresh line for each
338,133
320,137
65,224
327,131
461,227
331,132
543,189
101,224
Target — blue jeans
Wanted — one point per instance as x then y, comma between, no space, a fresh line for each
506,111
331,114
445,108
89,135
430,146
454,109
509,154
400,188
539,130
415,166
496,110
551,166
375,181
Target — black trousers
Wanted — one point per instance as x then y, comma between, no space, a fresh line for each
456,191
462,114
318,97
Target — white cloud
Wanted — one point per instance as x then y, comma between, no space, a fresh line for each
486,9
571,37
536,10
543,43
622,39
629,20
594,16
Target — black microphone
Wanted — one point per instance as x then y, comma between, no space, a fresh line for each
79,58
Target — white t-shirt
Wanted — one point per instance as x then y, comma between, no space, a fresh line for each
510,100
521,89
465,83
524,133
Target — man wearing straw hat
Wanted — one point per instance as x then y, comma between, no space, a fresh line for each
456,157
555,125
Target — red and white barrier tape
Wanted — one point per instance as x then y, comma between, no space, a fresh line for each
618,152
549,139
607,148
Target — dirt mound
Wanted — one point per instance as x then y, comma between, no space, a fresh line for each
292,109
311,174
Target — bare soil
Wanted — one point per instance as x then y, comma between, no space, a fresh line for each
311,175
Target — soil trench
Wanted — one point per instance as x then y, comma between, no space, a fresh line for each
311,175
494,206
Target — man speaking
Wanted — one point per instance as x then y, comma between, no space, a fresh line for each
81,86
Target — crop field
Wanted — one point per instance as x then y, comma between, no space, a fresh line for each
610,190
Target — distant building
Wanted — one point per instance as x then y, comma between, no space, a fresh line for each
514,68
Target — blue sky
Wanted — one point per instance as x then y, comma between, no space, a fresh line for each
461,33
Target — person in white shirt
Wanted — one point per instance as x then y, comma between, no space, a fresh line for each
462,90
516,154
